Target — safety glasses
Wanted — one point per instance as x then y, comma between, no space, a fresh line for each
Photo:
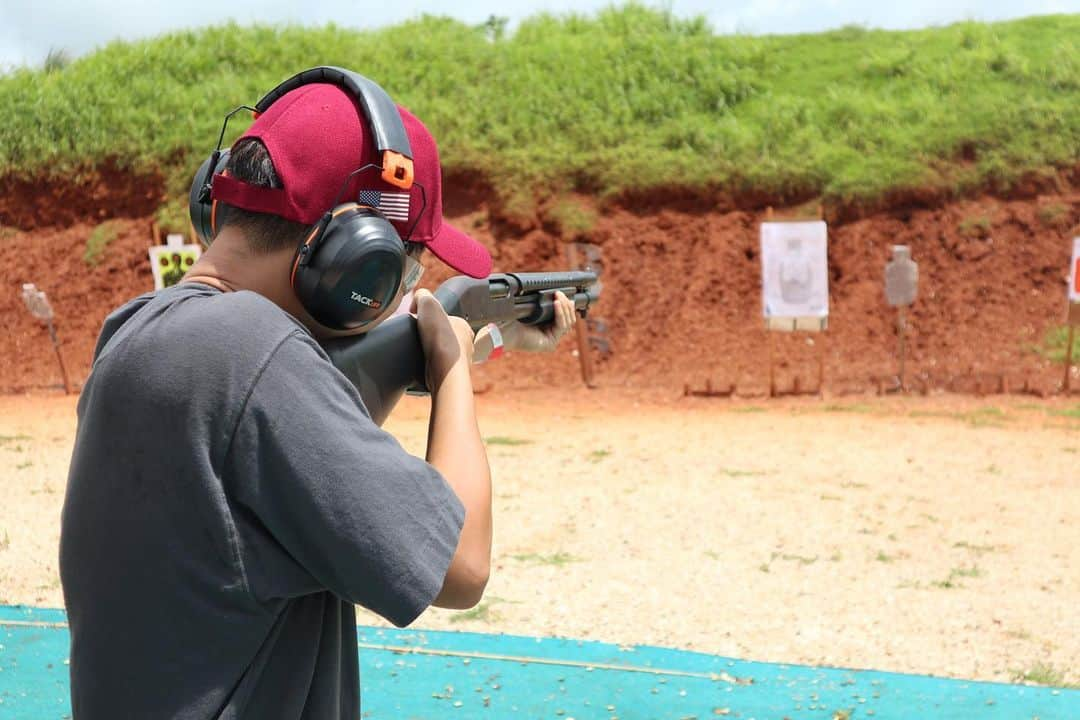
414,269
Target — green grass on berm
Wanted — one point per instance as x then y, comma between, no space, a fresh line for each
630,98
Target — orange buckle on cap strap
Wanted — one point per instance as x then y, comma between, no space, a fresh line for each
397,169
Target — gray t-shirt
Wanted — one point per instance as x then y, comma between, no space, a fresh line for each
229,500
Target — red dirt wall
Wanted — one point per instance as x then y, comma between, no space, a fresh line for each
92,195
681,297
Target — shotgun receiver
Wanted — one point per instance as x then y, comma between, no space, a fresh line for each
388,361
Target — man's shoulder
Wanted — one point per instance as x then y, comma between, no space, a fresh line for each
201,326
244,312
259,323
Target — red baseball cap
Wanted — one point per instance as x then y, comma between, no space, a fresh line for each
316,135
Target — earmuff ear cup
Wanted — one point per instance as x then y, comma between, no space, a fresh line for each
354,272
200,205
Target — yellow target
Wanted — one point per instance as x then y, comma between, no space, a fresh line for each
170,263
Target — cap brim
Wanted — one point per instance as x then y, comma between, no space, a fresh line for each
460,252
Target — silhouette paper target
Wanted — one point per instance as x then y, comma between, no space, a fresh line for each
794,270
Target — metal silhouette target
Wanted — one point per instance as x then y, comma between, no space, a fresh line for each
901,278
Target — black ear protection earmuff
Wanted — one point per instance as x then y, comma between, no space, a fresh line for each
202,210
349,269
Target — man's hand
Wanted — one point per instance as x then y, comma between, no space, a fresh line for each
446,340
529,338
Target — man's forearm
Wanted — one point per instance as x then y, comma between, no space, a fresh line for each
456,450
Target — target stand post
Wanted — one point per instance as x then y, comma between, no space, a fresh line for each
1073,317
59,357
586,256
1070,334
584,354
901,329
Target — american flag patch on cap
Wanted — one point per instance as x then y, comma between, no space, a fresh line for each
394,205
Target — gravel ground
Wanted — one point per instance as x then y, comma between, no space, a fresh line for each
933,536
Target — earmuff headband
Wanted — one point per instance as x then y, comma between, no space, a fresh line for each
353,261
389,132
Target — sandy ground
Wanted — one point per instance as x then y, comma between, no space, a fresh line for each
936,535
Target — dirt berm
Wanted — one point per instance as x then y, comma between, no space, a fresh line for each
681,291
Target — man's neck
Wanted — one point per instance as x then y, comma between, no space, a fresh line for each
229,264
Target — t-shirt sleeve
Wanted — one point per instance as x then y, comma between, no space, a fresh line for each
334,495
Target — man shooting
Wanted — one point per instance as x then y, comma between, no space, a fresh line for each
221,584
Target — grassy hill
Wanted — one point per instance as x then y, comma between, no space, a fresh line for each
629,99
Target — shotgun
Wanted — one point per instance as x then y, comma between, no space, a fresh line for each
388,361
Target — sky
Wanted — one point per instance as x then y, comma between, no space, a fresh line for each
30,28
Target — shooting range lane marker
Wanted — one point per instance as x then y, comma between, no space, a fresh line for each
472,655
534,660
33,623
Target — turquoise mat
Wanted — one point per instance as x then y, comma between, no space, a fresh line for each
432,674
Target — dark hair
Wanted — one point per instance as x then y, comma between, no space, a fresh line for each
249,161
